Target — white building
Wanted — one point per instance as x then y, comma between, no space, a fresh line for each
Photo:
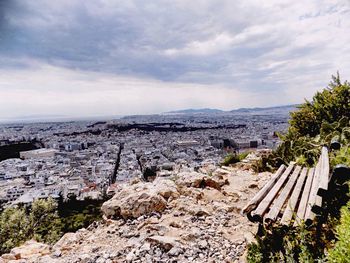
39,153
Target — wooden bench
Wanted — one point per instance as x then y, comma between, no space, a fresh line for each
292,195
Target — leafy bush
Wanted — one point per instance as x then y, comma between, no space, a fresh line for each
341,251
14,227
76,214
41,223
45,221
280,244
316,123
234,158
326,107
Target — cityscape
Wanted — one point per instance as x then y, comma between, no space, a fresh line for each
90,159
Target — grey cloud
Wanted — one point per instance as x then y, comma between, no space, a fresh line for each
266,45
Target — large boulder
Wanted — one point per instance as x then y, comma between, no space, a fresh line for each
166,188
66,242
139,199
29,250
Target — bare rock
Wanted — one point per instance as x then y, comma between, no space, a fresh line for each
165,242
198,180
203,244
175,251
30,249
166,188
140,199
66,242
8,256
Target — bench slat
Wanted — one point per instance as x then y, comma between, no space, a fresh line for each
309,214
324,174
279,202
305,197
263,192
292,202
265,203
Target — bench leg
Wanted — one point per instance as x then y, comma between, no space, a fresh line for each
261,230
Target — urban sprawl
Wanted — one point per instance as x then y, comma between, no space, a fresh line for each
90,159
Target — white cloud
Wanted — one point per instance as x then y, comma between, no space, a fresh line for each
211,46
52,90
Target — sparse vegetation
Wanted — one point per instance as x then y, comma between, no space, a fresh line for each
233,158
46,221
341,251
18,225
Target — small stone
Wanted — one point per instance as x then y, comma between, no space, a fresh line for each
86,258
203,244
145,247
130,257
9,256
175,224
165,242
175,251
57,253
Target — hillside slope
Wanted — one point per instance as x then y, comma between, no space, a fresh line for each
190,218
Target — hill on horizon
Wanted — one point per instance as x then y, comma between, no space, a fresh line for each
271,109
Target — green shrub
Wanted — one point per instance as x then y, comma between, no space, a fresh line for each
280,244
230,159
315,123
326,107
45,221
341,251
14,227
234,158
41,223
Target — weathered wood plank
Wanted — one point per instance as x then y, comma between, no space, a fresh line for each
309,215
263,192
272,215
258,213
305,197
293,200
324,173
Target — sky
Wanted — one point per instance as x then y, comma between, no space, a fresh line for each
103,57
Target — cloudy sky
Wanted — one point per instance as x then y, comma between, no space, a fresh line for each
107,57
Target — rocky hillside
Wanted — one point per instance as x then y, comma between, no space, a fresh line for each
192,217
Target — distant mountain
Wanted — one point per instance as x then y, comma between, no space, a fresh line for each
195,111
284,108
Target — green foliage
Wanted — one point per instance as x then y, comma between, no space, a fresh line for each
326,107
342,156
341,251
234,158
45,221
315,124
280,244
255,253
41,223
14,226
76,214
230,159
263,165
45,224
